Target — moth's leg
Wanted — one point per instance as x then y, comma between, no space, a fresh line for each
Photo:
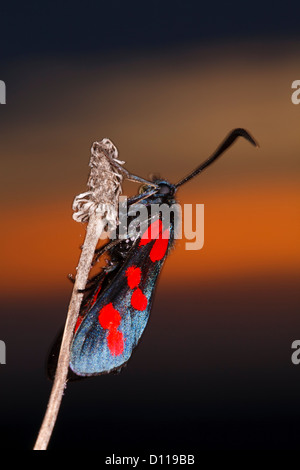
93,282
140,197
127,174
100,251
138,179
71,278
90,282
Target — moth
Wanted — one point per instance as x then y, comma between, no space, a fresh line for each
118,299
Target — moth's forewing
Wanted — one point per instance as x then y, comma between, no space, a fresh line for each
114,325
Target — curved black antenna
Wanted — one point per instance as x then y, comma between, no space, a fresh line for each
232,136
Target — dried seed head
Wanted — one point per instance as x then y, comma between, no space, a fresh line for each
104,184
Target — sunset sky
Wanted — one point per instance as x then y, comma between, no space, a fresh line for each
214,365
165,119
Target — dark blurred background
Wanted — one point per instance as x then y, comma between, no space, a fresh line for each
165,81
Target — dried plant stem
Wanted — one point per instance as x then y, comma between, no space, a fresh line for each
97,206
94,229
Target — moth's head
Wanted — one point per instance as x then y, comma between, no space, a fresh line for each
165,189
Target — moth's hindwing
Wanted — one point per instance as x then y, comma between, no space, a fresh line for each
112,328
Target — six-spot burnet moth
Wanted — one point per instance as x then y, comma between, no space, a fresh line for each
117,304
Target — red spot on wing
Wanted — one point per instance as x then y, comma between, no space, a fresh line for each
115,342
160,246
151,233
109,318
139,300
133,276
78,323
95,296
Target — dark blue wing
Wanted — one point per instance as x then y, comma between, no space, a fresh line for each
113,326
